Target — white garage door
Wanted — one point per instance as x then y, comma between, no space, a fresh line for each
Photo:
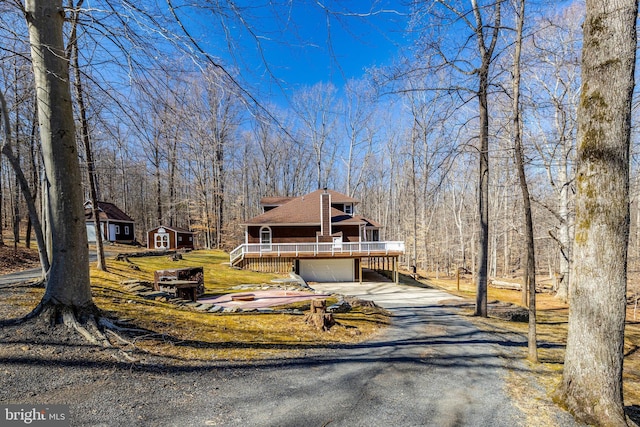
327,270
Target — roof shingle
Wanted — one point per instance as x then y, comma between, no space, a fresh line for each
108,211
306,210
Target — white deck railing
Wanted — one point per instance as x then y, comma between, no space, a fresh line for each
295,249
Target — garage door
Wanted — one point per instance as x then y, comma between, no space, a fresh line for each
327,270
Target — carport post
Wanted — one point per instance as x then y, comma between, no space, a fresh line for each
360,268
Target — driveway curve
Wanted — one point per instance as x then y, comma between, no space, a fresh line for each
431,367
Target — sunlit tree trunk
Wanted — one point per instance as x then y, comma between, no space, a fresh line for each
592,380
68,288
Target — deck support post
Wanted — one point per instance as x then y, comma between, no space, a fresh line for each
395,269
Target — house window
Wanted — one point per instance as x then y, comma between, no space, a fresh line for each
265,239
179,238
117,229
374,235
126,230
348,209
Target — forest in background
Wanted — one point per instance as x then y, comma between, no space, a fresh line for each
178,138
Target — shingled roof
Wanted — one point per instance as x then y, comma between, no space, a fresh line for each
275,201
108,211
305,210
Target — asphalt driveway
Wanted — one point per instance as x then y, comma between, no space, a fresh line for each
432,367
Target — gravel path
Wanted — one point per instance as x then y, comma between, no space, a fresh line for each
431,368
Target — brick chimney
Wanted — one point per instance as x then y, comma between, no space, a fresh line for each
325,214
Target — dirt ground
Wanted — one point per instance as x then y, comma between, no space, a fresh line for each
17,259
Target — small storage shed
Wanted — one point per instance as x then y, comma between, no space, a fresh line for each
166,238
116,225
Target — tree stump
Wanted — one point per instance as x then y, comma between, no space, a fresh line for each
318,316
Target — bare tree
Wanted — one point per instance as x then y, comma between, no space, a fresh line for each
554,89
469,56
211,116
24,186
529,277
68,291
592,379
358,115
317,110
486,49
84,133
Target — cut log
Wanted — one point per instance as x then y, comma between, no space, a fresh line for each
505,285
243,297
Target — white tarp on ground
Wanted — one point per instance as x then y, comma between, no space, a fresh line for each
327,270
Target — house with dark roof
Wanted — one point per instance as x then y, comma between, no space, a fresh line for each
318,236
116,226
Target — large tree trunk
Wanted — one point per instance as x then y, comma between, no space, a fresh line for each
592,381
68,287
1,203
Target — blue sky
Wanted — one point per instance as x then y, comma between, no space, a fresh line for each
357,43
303,44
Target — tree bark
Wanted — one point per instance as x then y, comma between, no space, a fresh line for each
529,279
1,204
86,141
486,56
68,283
592,380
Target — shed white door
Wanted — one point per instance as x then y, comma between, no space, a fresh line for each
327,270
91,232
112,232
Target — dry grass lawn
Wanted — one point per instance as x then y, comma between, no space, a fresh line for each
190,336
